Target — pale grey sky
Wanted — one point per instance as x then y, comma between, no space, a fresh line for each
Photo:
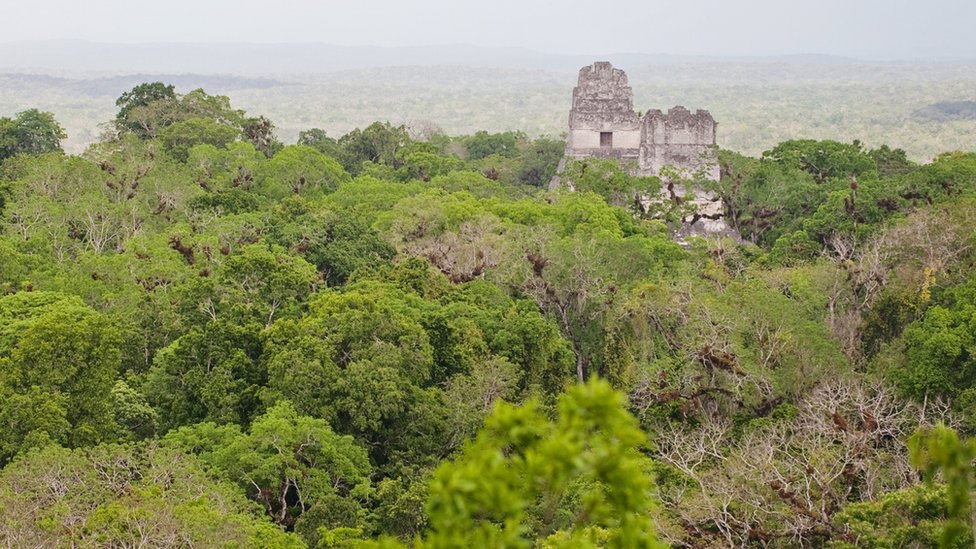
860,28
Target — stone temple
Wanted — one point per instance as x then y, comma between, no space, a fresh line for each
603,123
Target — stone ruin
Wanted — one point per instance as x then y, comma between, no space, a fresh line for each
676,144
602,121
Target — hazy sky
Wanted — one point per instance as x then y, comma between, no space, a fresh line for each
865,28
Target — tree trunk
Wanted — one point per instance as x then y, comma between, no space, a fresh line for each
580,366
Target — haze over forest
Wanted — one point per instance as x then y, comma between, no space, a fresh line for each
758,101
767,70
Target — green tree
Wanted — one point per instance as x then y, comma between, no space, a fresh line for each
891,162
298,169
911,517
354,359
211,373
235,167
426,165
141,96
767,199
699,337
8,138
823,159
134,416
259,131
540,160
337,241
302,473
607,179
574,258
935,358
151,111
941,451
126,496
949,175
58,357
30,132
262,283
505,144
179,137
378,143
200,104
454,232
577,481
320,141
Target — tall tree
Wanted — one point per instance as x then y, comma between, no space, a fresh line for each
30,132
259,131
378,143
58,362
142,95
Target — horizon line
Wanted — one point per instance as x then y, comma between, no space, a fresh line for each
849,57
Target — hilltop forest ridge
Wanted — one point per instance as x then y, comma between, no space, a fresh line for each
923,107
216,331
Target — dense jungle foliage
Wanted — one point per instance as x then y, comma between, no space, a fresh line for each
394,338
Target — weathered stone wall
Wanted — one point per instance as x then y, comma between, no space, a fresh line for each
680,127
681,139
603,102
